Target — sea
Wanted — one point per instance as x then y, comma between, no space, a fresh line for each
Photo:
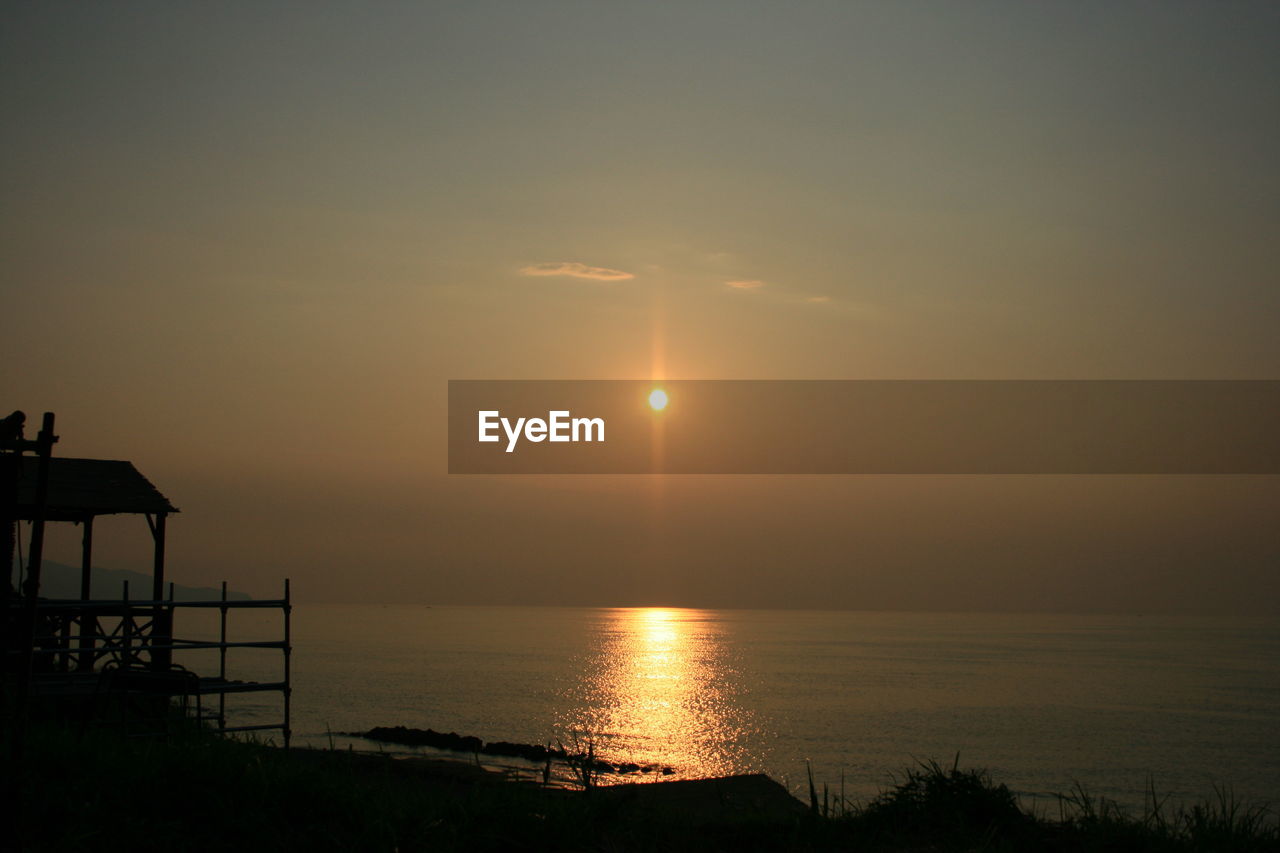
1122,707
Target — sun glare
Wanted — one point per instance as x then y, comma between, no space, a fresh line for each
658,400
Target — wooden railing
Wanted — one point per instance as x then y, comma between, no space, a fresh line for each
78,640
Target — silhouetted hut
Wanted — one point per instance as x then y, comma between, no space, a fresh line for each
80,490
52,646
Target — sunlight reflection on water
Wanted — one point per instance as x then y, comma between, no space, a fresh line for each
659,688
1042,700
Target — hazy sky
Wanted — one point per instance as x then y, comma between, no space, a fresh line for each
245,245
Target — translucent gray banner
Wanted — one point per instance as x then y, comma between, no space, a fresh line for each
864,427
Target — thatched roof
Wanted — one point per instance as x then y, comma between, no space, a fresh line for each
80,488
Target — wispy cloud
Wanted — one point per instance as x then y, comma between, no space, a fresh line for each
745,284
817,299
576,270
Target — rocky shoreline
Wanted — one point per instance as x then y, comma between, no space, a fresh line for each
535,753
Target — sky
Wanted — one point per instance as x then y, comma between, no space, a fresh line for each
247,245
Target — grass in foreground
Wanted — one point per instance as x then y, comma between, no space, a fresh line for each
96,791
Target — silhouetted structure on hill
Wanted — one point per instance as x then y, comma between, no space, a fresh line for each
105,660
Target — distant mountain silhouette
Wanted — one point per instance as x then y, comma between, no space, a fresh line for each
58,580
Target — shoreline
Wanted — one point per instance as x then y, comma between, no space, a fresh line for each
197,791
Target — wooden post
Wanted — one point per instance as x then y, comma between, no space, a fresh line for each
88,622
44,447
161,620
288,653
157,581
222,660
86,559
126,626
45,450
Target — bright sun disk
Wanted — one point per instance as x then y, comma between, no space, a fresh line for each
658,399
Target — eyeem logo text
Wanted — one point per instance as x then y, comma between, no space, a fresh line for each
558,426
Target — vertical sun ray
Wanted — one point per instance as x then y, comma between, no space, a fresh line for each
657,442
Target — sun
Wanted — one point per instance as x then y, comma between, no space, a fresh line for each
658,399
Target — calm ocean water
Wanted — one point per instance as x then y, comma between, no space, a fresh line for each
1042,701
